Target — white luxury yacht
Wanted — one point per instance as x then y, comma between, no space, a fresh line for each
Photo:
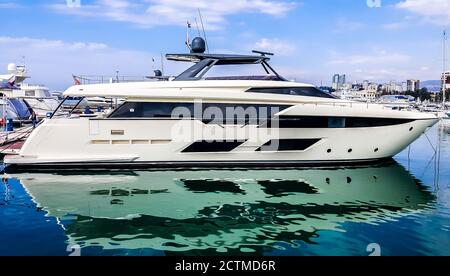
196,120
38,97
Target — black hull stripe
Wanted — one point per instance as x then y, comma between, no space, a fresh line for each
190,165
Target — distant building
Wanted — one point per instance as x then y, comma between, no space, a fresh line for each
338,81
373,87
393,88
366,95
365,84
335,82
346,86
412,85
445,80
404,86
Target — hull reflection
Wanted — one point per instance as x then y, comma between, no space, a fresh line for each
222,210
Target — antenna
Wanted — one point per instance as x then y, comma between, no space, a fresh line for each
188,40
162,64
198,29
203,27
263,53
444,83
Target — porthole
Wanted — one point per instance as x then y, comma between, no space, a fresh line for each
350,150
376,150
411,129
329,150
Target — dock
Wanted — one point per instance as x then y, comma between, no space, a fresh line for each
12,141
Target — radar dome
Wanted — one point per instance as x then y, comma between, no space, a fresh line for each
158,73
198,45
12,68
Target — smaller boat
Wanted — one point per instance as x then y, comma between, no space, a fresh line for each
397,102
15,109
37,97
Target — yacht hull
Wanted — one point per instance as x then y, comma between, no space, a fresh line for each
95,143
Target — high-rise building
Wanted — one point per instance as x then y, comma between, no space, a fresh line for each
412,85
338,81
335,82
404,86
342,79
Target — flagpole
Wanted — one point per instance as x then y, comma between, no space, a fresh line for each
188,40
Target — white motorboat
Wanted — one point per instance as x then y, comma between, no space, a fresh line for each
38,97
397,102
196,120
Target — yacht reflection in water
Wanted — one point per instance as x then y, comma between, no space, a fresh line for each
219,211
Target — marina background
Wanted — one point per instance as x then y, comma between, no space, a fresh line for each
359,52
313,40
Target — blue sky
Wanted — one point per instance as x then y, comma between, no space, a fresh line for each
313,39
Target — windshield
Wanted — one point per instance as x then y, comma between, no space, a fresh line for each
244,72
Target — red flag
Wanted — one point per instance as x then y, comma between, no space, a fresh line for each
76,80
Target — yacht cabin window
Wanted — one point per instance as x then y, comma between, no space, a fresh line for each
293,91
207,112
30,93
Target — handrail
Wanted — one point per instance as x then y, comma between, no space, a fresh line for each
103,79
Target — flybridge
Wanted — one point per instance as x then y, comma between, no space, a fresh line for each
205,62
221,59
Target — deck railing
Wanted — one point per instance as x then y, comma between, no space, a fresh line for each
92,79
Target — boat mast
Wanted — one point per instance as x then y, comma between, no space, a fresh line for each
444,83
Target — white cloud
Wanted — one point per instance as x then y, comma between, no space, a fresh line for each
27,42
381,74
151,13
10,5
380,65
344,25
277,46
433,11
395,26
375,56
52,62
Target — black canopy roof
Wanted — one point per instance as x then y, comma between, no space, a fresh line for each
220,59
204,63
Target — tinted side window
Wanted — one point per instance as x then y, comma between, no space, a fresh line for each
208,112
294,91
